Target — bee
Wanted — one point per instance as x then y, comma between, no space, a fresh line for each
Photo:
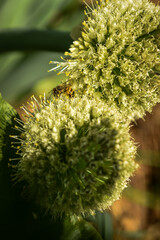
63,89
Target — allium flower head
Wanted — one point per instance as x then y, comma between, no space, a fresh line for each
117,55
75,155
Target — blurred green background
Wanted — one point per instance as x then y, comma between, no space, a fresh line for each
23,72
137,214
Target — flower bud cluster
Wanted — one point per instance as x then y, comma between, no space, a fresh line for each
117,55
75,155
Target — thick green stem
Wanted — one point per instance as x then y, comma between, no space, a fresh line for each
34,39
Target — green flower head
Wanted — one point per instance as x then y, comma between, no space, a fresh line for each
117,55
75,155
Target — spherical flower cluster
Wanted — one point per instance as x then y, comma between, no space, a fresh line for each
76,155
117,55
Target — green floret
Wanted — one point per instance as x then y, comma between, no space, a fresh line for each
76,155
117,55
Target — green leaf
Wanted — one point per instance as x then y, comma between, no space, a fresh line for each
32,69
7,192
7,115
81,230
104,224
28,14
34,39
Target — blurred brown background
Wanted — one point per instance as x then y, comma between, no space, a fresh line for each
138,211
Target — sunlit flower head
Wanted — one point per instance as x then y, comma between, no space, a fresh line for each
76,155
117,55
